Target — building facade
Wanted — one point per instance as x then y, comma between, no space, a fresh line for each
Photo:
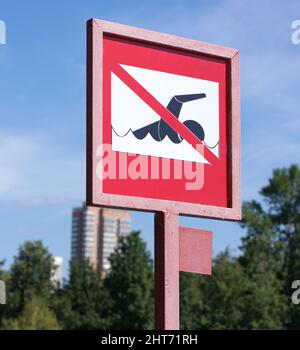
95,234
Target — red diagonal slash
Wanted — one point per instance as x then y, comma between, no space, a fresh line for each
164,113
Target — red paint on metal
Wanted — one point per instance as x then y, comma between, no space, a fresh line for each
97,30
215,188
166,271
195,250
173,251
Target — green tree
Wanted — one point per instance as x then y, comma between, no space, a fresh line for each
262,261
130,284
30,277
271,251
83,303
217,301
3,274
194,307
282,196
225,293
35,316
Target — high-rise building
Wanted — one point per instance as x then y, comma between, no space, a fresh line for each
95,234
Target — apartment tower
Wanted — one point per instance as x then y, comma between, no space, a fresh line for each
95,234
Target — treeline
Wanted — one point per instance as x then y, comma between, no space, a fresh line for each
123,300
251,291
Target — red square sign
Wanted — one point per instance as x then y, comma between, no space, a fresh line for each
163,123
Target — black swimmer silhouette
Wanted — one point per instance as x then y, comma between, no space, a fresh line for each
160,129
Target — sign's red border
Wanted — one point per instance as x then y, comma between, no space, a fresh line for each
96,29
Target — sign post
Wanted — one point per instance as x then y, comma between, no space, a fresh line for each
163,136
166,271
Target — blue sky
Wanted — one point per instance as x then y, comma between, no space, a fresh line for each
42,104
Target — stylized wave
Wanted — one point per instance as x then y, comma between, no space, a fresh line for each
160,129
129,131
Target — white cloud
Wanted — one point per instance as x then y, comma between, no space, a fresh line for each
45,201
35,171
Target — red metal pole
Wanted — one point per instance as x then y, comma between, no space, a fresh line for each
166,271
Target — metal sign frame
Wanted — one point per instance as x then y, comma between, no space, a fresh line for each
96,30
